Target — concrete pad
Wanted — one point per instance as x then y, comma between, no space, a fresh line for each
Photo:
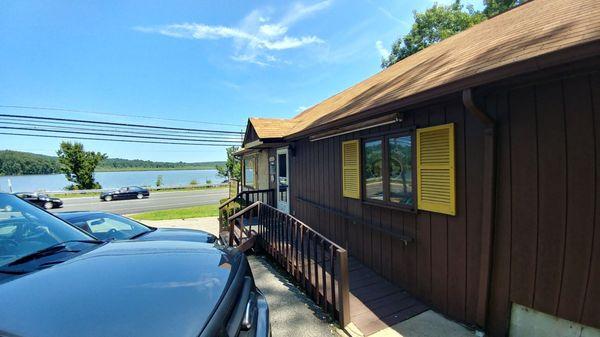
427,324
293,314
208,224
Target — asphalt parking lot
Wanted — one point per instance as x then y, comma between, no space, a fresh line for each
157,201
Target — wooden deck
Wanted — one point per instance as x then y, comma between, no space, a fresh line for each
375,303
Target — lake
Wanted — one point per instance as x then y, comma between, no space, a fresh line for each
57,182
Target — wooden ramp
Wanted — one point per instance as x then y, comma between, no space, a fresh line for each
375,303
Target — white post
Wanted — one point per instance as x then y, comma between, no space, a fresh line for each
10,186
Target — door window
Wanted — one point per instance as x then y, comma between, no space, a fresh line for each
282,177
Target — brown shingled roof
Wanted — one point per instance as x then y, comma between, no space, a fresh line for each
271,127
509,44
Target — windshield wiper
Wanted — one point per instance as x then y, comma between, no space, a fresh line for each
140,234
59,247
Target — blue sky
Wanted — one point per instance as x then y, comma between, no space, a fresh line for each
201,61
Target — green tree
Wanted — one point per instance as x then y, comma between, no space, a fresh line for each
440,22
159,181
232,167
495,7
78,165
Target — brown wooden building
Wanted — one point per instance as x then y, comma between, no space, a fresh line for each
467,174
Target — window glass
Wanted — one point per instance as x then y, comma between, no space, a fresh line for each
25,229
282,177
373,166
249,171
400,170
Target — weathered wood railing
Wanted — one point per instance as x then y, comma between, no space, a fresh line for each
241,201
318,265
240,233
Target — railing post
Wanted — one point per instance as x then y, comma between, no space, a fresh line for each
231,231
344,288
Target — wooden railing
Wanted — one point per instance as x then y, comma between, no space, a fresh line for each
241,201
318,265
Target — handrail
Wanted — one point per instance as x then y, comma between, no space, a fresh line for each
244,198
404,238
317,264
244,210
312,230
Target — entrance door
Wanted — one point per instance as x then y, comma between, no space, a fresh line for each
283,181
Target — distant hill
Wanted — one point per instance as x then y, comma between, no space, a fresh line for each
22,163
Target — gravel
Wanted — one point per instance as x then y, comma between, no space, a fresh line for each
292,313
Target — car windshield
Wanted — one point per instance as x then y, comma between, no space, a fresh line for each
106,226
26,229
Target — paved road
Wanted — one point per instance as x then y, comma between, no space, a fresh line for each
157,201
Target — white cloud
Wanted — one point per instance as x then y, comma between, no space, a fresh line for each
381,49
273,30
301,108
256,35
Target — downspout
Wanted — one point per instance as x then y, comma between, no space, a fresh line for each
488,203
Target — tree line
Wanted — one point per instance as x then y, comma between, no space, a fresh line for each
23,163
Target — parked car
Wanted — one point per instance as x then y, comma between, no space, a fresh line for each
130,192
108,226
57,280
40,199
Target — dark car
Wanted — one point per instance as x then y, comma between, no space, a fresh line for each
57,280
131,192
40,199
108,226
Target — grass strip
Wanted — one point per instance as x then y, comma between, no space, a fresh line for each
179,213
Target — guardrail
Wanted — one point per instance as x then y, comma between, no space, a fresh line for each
318,265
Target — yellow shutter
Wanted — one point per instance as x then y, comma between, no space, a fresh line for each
435,169
351,169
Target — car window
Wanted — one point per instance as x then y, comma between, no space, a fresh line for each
25,229
101,225
109,226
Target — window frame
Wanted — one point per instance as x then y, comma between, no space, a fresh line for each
384,138
254,158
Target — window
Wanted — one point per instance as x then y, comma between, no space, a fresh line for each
249,171
400,168
373,170
388,170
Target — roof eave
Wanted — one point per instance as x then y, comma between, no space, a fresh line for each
571,54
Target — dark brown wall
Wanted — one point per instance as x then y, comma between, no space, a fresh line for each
547,237
442,265
546,249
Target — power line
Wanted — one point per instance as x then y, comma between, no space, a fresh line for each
113,135
121,124
111,114
70,128
110,140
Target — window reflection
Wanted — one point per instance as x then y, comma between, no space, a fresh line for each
373,170
400,170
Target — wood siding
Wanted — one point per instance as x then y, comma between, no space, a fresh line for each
441,266
546,242
547,236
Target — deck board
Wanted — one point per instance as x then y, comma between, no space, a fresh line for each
376,303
